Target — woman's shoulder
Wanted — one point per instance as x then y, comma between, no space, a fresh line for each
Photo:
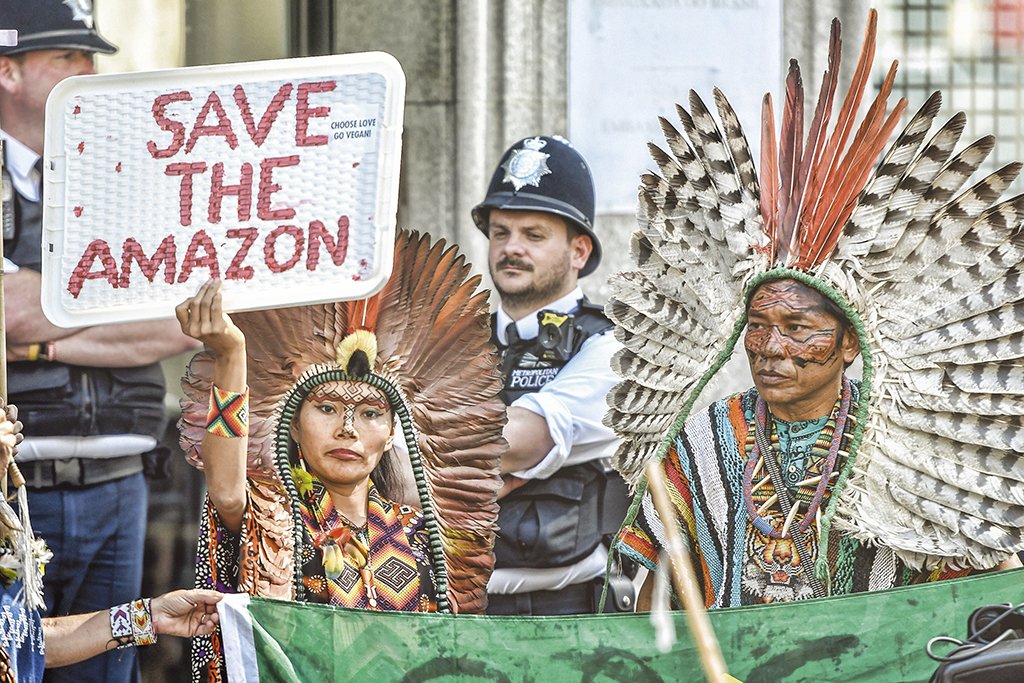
408,515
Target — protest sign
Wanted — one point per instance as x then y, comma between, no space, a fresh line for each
280,178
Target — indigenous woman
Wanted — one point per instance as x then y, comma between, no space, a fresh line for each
385,427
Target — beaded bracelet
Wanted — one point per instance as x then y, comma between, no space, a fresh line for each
228,415
131,624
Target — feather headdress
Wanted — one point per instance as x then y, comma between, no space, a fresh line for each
927,272
424,342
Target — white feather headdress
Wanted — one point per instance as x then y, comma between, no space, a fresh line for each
929,273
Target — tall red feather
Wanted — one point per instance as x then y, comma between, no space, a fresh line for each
816,135
844,123
790,153
769,175
819,183
362,314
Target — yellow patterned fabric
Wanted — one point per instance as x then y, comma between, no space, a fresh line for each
397,575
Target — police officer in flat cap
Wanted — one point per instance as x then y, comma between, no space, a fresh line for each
91,399
560,502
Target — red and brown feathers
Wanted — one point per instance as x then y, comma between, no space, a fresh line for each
433,333
808,191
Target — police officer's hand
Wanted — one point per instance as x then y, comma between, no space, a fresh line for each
10,435
509,483
202,317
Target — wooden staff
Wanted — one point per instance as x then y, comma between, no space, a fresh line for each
8,38
685,581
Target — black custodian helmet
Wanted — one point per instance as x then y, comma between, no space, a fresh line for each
546,174
51,25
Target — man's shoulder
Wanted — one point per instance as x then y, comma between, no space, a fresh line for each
742,400
712,433
733,409
588,307
588,317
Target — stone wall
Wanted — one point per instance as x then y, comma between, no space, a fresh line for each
482,74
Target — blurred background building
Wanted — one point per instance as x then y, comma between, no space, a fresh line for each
484,73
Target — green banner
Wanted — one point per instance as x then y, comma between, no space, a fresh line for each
865,637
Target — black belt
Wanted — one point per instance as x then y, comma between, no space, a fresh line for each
76,472
580,598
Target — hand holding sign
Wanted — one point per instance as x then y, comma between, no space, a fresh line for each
202,317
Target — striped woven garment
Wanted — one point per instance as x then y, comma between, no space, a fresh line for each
704,471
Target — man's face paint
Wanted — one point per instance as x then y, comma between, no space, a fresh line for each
795,351
788,319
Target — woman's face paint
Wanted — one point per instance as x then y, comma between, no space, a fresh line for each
792,343
343,429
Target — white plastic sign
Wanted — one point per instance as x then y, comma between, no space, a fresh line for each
280,178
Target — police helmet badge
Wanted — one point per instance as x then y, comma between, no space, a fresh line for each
81,10
528,165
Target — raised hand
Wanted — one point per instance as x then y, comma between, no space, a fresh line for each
10,434
202,317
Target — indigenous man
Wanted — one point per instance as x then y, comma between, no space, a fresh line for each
812,484
538,215
798,344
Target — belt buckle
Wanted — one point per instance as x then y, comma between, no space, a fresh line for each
67,471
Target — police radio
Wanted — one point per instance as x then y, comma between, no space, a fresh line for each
7,195
556,335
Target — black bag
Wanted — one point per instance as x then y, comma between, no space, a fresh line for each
992,653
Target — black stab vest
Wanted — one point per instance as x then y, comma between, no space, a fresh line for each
558,521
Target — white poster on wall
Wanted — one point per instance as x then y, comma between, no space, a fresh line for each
279,178
631,61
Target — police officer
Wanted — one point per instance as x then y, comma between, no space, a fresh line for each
559,502
92,399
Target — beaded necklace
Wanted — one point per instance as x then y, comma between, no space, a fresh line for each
755,464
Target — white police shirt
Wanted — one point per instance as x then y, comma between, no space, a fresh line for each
20,167
573,405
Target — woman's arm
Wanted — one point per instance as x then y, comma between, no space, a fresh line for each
203,318
184,613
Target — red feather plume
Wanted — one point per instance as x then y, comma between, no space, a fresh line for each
809,190
362,314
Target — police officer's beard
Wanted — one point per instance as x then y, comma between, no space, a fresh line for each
546,286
